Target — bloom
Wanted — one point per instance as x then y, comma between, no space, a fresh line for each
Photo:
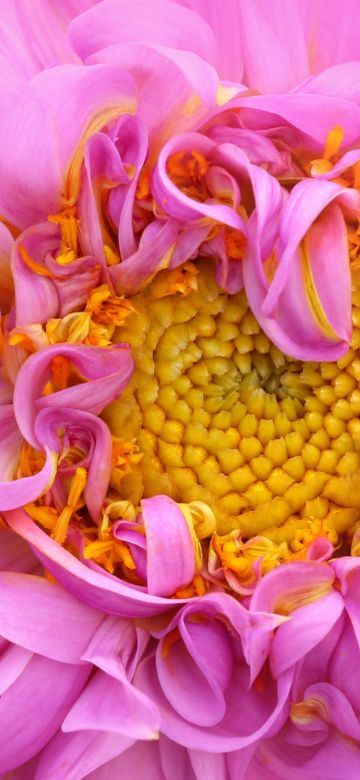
179,368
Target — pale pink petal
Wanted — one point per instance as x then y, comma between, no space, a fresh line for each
299,109
272,27
164,23
24,197
227,29
332,31
187,93
82,101
341,80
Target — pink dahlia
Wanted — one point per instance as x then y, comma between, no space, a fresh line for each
179,387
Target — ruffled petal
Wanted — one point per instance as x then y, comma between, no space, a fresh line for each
100,590
107,378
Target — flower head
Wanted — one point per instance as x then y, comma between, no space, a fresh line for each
179,381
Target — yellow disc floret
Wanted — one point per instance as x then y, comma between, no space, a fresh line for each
221,416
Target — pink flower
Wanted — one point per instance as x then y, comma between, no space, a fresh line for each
179,401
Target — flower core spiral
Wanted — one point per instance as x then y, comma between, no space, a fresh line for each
216,413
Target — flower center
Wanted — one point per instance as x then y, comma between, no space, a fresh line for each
220,415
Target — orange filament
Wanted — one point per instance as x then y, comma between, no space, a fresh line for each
77,486
39,269
69,225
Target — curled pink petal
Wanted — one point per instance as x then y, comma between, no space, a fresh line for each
107,380
170,565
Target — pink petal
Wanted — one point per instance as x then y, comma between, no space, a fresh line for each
151,257
292,586
307,627
107,378
273,28
25,198
173,200
143,760
43,303
164,23
226,27
186,95
44,618
96,589
15,554
332,31
78,754
50,422
109,705
82,101
298,109
171,565
42,681
301,311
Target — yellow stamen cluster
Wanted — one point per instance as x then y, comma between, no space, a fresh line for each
221,416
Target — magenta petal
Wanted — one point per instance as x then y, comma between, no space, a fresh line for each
15,554
164,23
153,255
171,565
19,492
25,198
306,628
43,303
52,421
109,705
82,101
108,372
42,681
44,618
143,761
78,754
173,200
100,590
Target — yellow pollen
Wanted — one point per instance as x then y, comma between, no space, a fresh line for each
221,417
180,280
108,309
187,171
